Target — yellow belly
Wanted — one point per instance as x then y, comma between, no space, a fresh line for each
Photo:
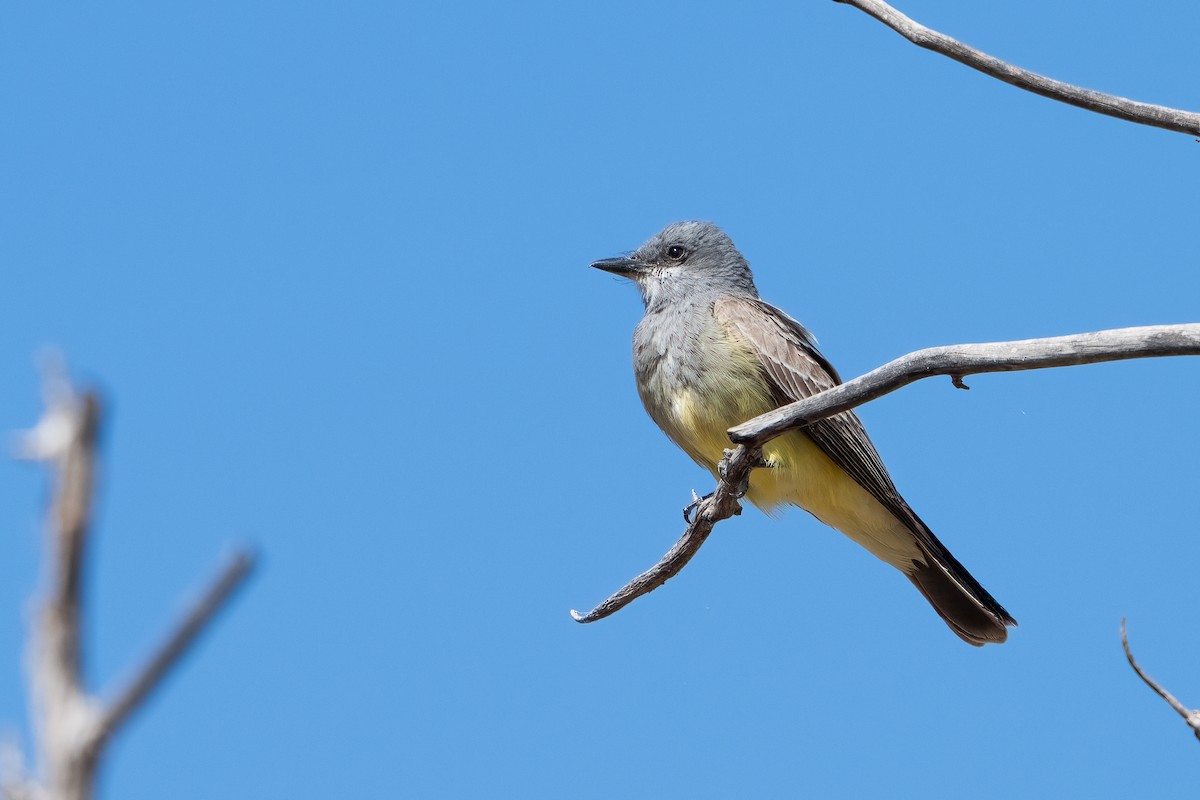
798,473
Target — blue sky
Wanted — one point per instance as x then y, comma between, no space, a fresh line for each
329,264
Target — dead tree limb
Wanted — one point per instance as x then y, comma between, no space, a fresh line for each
721,504
174,647
72,726
1171,119
1190,716
960,360
956,361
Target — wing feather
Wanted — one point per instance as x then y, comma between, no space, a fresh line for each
796,369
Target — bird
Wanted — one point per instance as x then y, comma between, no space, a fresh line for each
709,354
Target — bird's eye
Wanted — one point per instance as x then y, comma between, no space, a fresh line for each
676,252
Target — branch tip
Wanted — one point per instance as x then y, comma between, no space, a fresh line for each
1190,716
177,643
1157,116
709,510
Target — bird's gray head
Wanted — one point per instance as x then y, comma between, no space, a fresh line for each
684,261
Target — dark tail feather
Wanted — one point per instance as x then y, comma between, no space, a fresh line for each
958,598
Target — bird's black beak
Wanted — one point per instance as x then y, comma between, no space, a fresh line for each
624,266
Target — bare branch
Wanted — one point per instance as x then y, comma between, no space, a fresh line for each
72,727
73,506
721,504
969,359
956,361
66,438
1132,110
172,649
1191,717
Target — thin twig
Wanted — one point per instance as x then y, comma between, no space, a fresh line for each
1132,110
172,648
721,504
954,360
1190,716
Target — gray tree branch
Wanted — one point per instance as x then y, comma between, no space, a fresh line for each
173,648
1132,110
956,361
72,726
1190,716
721,504
960,360
63,712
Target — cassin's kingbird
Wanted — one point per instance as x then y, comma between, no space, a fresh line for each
709,355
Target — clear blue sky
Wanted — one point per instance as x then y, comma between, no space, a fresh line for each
329,263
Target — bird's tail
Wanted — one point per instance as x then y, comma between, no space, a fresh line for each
958,598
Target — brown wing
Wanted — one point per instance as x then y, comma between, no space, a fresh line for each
796,369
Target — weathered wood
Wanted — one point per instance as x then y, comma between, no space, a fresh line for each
1132,110
65,713
723,503
189,627
957,361
72,726
1190,716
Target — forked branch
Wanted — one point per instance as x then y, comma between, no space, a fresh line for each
72,726
1132,110
956,361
